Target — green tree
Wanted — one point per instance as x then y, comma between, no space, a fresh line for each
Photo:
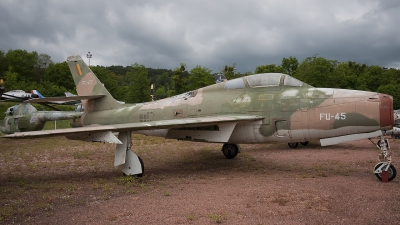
160,93
140,84
11,80
43,61
179,79
200,77
344,76
392,89
271,68
58,74
317,71
289,65
3,64
24,64
229,71
109,80
371,78
163,80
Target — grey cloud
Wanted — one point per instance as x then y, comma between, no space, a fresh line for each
163,34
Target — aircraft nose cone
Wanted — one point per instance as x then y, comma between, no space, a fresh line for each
386,111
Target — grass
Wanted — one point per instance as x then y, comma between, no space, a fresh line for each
281,199
191,216
217,217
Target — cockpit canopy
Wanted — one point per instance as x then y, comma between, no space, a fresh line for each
264,80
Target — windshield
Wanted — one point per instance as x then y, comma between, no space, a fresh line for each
290,81
264,80
234,84
273,79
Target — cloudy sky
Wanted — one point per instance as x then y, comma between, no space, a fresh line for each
212,34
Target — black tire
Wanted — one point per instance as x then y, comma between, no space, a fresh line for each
392,172
293,144
230,150
304,143
142,165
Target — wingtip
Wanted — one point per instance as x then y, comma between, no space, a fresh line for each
73,58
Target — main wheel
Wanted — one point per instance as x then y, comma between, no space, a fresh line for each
230,150
304,143
392,172
293,144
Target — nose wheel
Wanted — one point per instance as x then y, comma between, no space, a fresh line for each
384,170
384,167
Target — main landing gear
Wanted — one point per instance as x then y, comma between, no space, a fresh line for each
295,144
230,150
127,161
384,170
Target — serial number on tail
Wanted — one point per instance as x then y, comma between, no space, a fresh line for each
332,116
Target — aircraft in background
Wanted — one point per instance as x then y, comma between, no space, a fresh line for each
260,108
24,117
2,89
68,94
20,95
16,95
219,77
395,132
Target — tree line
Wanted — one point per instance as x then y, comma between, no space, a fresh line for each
29,70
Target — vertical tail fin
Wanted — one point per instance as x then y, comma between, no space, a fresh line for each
88,84
68,94
36,92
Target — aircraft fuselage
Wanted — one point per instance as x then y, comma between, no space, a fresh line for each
292,110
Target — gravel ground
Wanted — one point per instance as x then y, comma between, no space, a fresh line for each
265,184
192,183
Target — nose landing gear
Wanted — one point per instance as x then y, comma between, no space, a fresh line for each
384,170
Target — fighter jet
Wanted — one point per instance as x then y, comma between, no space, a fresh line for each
260,108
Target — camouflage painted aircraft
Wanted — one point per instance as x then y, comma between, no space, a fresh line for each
24,117
259,108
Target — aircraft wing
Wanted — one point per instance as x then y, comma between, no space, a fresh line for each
12,98
231,120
